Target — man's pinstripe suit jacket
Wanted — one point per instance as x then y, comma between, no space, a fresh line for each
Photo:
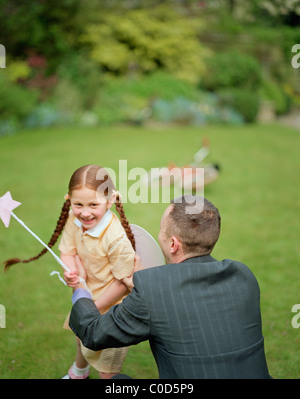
201,317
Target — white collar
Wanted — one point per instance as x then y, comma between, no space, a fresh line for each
98,229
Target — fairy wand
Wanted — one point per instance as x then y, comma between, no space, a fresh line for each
7,204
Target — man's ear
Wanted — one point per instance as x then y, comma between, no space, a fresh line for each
175,245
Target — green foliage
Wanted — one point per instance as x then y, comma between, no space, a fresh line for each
232,69
83,74
18,70
244,101
159,97
282,8
15,100
266,13
146,40
119,107
273,93
67,98
51,29
45,115
236,78
272,46
208,109
70,53
126,99
150,86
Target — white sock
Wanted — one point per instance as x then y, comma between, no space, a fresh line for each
79,372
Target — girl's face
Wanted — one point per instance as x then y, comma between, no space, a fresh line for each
89,206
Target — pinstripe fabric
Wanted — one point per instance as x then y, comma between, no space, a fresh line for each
201,316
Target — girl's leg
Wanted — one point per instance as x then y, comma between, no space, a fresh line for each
80,368
80,360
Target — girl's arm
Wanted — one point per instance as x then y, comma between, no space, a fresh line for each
70,261
117,289
128,281
113,293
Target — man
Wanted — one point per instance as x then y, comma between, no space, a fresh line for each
201,316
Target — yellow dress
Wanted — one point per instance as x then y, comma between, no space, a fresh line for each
107,255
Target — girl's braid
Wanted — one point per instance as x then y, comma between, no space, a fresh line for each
59,227
124,221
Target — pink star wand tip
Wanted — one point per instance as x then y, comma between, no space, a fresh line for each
7,204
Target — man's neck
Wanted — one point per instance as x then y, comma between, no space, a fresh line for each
178,258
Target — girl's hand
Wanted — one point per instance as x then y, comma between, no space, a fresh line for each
71,279
71,261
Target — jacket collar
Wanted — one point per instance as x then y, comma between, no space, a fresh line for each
201,259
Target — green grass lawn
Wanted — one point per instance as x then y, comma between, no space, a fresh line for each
257,194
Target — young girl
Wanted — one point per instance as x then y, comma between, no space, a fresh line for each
95,244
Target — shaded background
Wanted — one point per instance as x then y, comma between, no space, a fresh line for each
183,61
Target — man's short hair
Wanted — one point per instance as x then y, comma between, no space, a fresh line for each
199,231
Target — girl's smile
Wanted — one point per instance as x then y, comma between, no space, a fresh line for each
89,207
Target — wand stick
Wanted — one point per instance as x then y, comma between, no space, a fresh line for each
42,242
7,204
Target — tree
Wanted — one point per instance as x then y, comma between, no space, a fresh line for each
145,40
50,28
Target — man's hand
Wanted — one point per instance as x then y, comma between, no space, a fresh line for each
128,281
137,264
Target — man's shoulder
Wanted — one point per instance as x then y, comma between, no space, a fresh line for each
150,271
196,265
239,266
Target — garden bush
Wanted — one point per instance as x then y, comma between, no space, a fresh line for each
208,109
83,75
119,107
15,100
67,98
116,62
243,101
45,115
232,69
146,40
273,93
158,84
129,99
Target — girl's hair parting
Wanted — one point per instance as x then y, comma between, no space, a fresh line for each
96,178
